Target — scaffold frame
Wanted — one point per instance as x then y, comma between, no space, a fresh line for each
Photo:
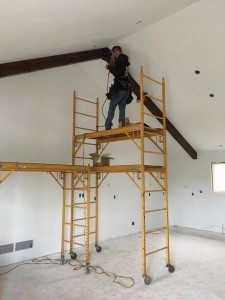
81,175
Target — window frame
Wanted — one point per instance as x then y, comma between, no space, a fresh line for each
212,176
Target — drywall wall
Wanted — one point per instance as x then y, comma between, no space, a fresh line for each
175,47
36,126
192,202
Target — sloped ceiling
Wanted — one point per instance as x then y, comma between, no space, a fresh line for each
192,39
30,29
170,41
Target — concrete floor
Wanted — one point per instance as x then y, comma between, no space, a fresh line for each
199,275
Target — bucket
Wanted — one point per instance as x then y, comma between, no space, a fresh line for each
98,160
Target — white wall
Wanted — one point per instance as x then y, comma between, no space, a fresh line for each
36,126
36,123
174,48
187,176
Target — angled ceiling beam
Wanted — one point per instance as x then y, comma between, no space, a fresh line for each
153,108
36,64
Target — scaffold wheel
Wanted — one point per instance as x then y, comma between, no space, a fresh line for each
62,260
171,268
147,279
87,268
73,255
98,248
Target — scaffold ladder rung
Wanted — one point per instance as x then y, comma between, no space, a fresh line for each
81,219
83,203
87,115
81,207
85,100
149,253
84,234
154,152
153,191
79,244
155,210
66,223
75,243
80,189
152,79
152,97
79,225
154,230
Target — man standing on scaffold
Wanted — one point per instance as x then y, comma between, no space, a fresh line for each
120,92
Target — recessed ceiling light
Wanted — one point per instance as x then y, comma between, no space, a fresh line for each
211,95
138,22
197,72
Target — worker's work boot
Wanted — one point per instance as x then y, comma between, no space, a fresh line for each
127,121
121,124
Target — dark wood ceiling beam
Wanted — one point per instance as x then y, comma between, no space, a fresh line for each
37,64
153,108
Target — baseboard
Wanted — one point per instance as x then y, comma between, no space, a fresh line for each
198,232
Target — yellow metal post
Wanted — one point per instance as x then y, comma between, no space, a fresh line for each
165,172
72,175
87,223
63,218
142,172
96,179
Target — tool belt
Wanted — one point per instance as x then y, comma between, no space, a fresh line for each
120,85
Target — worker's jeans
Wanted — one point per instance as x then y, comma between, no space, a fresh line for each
119,99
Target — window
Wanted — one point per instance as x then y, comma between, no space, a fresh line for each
218,177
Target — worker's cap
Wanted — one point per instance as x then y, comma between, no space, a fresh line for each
116,48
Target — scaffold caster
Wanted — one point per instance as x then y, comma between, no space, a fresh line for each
73,255
87,269
171,268
62,260
98,248
147,279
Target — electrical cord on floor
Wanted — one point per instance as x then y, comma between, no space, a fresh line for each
100,270
79,264
35,261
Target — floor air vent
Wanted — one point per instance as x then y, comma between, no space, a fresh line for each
6,248
24,245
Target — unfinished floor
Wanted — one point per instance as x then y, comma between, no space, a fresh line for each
200,273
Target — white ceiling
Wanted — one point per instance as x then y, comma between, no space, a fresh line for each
175,47
38,28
